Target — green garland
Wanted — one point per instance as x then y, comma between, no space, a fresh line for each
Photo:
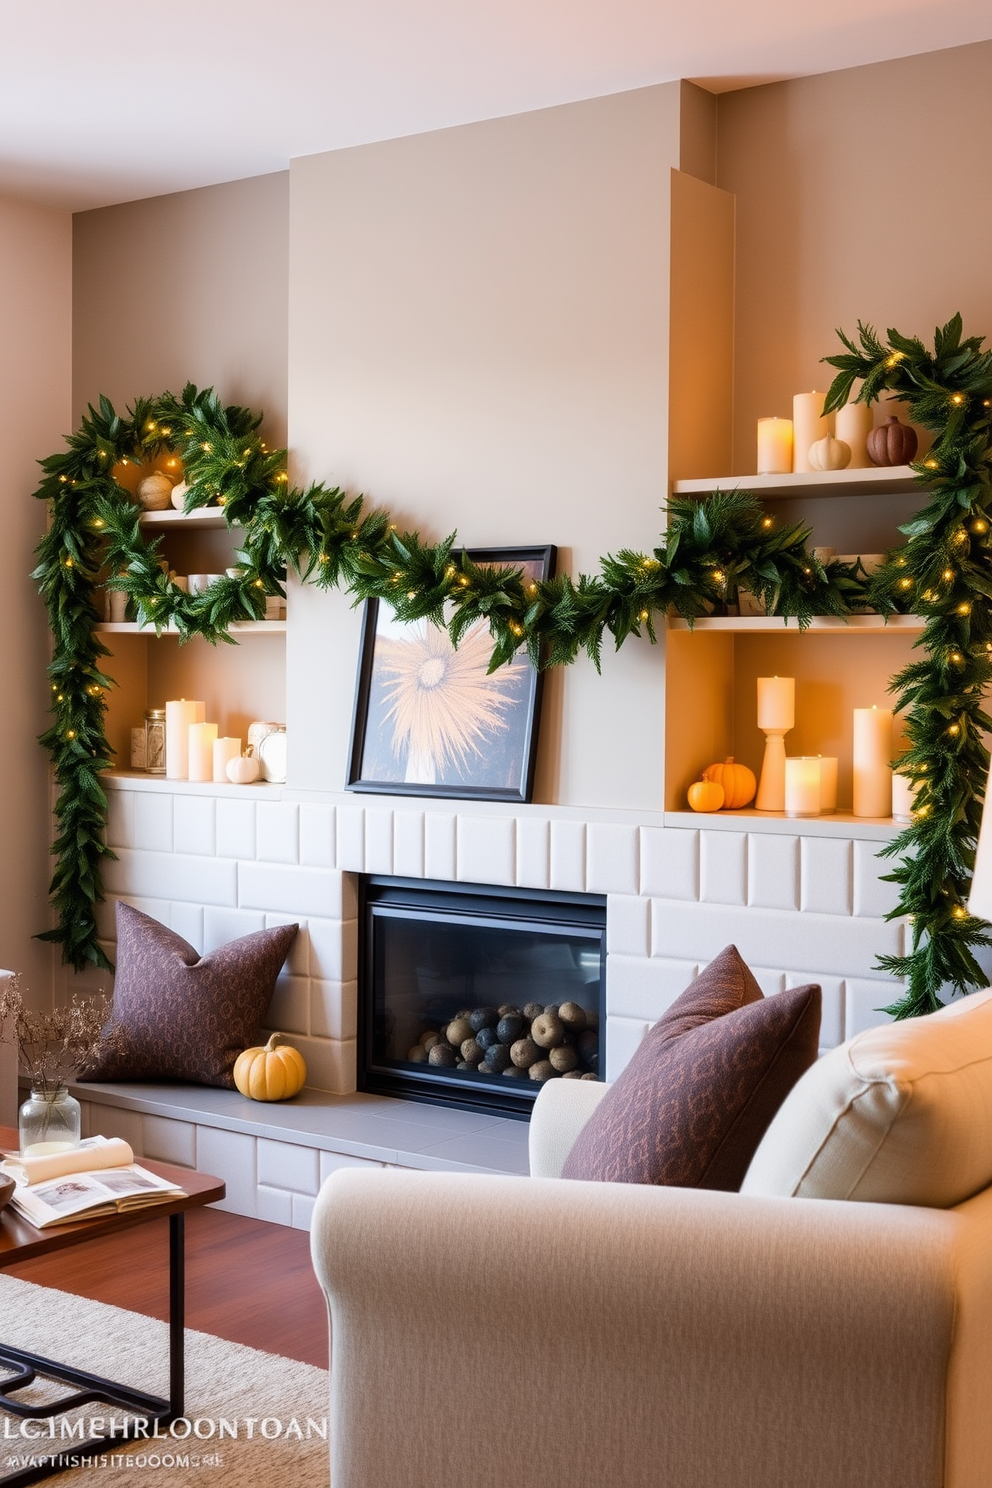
943,573
713,550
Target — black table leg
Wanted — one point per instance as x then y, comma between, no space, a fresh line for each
177,1315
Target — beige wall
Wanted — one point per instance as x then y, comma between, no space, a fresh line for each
860,195
35,308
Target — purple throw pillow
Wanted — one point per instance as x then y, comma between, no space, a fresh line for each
178,1015
696,1098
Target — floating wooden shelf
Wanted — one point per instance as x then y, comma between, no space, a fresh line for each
240,627
203,517
820,624
879,481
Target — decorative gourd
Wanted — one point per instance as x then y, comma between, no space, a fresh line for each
892,443
244,770
738,782
706,795
274,1073
829,454
154,493
178,496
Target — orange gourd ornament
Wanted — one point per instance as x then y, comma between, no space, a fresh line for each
274,1073
706,795
738,782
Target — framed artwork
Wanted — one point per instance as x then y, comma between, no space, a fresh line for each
429,720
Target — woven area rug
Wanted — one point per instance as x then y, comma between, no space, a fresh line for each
251,1418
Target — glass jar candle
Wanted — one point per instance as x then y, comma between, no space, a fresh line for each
155,741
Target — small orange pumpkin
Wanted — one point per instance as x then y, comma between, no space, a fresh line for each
274,1073
706,795
739,784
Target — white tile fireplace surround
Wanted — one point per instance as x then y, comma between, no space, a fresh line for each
214,863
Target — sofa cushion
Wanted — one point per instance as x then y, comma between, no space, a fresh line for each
177,1015
696,1098
901,1114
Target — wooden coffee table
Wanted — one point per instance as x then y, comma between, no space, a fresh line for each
20,1241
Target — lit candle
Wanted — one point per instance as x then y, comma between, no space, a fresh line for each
828,784
774,446
872,753
224,750
777,703
802,786
201,751
903,798
179,714
853,424
809,425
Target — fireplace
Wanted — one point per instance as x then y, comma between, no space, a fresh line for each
473,995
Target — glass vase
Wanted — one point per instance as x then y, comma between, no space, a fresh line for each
48,1121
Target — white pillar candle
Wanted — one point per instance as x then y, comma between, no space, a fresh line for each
774,446
179,714
201,751
776,703
224,750
853,424
872,753
802,786
808,425
828,783
903,798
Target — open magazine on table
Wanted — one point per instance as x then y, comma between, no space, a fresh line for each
99,1176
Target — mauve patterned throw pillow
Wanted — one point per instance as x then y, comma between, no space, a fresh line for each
695,1100
180,1015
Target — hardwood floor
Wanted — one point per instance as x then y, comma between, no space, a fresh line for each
246,1281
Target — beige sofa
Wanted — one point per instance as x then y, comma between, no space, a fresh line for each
521,1333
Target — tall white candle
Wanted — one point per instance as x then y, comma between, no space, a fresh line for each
776,703
802,786
828,783
808,425
872,753
201,751
853,424
774,446
224,750
179,714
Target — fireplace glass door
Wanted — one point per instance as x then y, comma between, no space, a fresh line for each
474,996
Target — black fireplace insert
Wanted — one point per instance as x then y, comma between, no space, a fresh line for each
473,995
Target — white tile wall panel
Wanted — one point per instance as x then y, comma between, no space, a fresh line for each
112,1121
293,891
351,838
297,963
378,840
331,1162
289,1010
153,822
622,1038
568,856
274,1205
348,890
827,885
286,1165
231,1155
169,1141
331,1064
871,896
670,862
168,875
862,1003
408,844
318,836
277,832
194,825
639,988
533,852
120,818
487,849
628,925
612,858
333,1009
800,942
302,1211
187,920
333,949
723,867
235,828
772,871
440,851
771,981
833,990
222,925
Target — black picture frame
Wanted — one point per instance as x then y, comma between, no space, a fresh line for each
465,734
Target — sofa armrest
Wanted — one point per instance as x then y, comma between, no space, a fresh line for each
560,1112
500,1330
